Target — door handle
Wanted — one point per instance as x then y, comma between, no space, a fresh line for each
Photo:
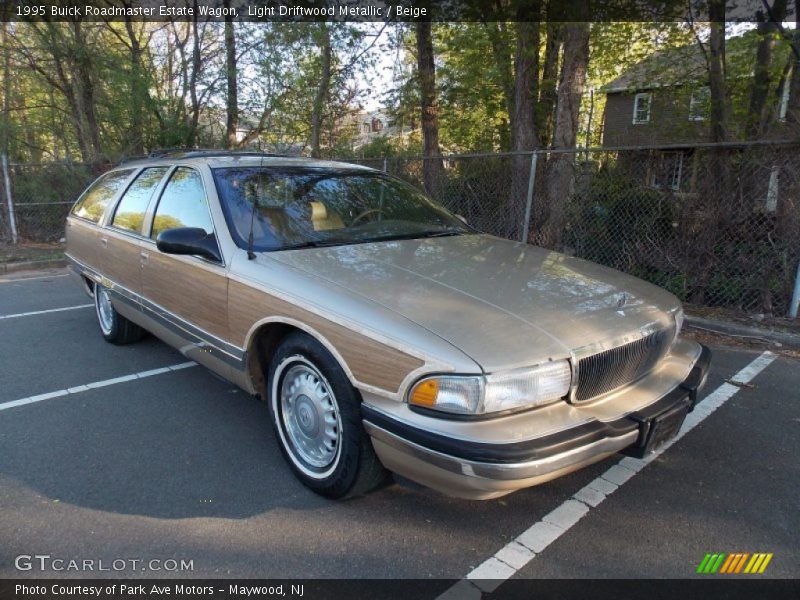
104,242
144,256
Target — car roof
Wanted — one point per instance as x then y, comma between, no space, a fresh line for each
221,158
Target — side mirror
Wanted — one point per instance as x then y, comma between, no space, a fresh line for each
189,240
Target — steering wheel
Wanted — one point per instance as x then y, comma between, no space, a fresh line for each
365,214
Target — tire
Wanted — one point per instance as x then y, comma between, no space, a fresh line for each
115,328
316,415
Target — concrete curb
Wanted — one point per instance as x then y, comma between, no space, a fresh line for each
791,340
31,265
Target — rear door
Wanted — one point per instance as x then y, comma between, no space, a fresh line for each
83,231
122,240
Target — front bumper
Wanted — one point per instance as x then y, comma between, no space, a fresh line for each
479,470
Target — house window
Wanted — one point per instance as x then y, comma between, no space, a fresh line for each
698,104
641,108
784,105
668,172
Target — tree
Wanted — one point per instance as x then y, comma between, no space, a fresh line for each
548,87
322,89
793,106
231,73
767,32
720,109
523,119
429,108
560,166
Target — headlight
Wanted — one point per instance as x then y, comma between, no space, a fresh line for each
476,395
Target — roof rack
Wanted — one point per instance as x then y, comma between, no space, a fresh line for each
200,153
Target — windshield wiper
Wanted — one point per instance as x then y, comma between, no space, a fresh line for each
420,235
312,244
445,233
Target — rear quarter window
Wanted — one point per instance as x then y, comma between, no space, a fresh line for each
94,201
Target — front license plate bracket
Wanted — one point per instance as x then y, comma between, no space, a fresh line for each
656,430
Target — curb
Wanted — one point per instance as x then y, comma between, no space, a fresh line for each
31,265
792,340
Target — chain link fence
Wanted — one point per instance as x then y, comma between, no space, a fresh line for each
718,225
42,195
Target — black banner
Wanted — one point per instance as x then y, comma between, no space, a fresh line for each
731,588
377,10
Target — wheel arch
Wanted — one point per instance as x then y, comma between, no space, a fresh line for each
264,338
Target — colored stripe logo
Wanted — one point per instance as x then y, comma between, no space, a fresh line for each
734,563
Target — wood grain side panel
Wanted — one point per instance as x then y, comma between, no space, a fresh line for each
122,263
82,242
194,293
370,361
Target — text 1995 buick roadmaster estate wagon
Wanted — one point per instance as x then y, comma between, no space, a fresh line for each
383,332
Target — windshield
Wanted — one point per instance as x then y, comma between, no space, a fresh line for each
299,207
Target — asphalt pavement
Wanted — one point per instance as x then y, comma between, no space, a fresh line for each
181,466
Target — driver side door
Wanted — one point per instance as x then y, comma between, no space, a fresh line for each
188,295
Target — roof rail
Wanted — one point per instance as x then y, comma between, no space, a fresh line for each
200,153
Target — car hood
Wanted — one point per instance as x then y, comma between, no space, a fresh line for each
504,304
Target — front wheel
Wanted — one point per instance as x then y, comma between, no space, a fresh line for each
114,327
316,415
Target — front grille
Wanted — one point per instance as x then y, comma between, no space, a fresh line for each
606,371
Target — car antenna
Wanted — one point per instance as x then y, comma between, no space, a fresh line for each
250,254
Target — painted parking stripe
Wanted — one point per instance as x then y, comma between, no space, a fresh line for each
44,312
35,278
487,576
95,384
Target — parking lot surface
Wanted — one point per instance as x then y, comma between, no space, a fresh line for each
178,464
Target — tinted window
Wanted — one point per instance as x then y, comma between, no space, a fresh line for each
317,206
183,203
131,208
94,201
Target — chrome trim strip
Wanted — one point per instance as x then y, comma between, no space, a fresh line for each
504,472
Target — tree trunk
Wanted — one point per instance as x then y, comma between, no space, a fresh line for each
196,65
548,88
767,30
560,167
322,90
432,164
138,91
496,33
83,84
714,185
523,124
716,72
232,121
793,107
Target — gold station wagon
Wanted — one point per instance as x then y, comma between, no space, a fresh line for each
383,332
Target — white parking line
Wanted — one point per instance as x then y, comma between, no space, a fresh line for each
43,312
95,384
487,576
35,278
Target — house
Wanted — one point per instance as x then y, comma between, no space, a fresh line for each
664,101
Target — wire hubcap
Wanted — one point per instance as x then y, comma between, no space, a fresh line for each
105,312
310,416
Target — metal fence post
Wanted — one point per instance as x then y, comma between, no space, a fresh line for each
12,221
526,226
795,304
384,164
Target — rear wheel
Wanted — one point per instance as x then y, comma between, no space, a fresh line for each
316,415
114,327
